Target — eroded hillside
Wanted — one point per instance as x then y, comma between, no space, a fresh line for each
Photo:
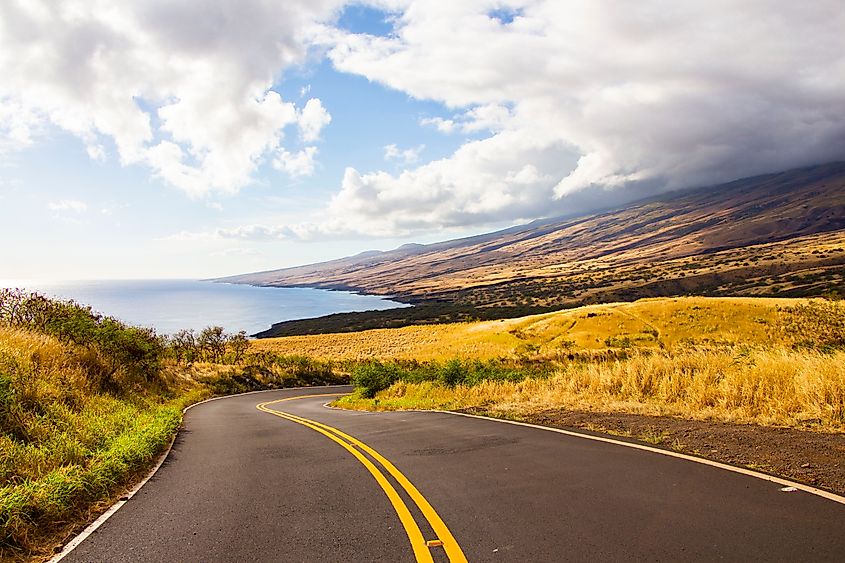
779,234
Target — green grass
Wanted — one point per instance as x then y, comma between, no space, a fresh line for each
370,377
57,491
70,436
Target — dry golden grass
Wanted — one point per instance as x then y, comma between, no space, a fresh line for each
707,358
652,323
762,386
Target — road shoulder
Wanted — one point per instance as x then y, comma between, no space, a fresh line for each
813,458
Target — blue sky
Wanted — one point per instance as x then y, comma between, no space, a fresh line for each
129,215
181,139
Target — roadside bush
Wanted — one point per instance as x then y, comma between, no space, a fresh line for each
182,345
125,353
272,371
453,373
302,371
232,383
372,377
212,342
476,372
375,376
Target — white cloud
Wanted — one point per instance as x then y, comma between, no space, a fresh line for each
254,232
488,117
568,104
234,252
312,119
182,86
403,156
443,125
68,205
300,163
18,125
507,176
189,236
589,104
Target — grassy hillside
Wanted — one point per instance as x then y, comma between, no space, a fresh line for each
763,361
647,323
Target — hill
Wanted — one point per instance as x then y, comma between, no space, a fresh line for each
661,323
779,234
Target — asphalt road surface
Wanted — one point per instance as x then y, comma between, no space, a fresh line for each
250,484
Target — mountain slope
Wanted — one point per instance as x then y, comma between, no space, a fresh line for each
746,237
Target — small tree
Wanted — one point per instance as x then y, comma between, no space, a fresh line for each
184,346
238,344
212,341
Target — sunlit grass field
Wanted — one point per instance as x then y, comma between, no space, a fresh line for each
731,359
777,387
647,323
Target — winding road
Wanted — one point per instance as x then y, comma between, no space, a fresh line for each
277,476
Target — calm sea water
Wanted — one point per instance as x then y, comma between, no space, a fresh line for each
171,305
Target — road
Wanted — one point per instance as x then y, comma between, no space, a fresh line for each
287,482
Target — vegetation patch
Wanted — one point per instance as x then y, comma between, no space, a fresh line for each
644,324
768,387
374,376
88,402
769,362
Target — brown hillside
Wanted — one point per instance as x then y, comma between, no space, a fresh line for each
781,234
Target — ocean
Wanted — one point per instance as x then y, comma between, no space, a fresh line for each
171,305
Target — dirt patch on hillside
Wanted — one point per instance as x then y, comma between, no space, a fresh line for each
813,458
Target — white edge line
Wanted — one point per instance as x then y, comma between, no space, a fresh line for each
92,527
741,470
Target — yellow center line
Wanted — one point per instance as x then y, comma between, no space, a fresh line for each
450,545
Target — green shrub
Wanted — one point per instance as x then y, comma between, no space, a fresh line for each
307,371
232,383
126,353
372,377
617,342
453,373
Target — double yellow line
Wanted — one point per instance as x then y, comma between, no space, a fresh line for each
421,547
